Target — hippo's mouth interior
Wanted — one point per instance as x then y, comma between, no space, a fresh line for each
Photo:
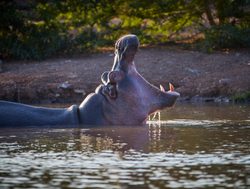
129,46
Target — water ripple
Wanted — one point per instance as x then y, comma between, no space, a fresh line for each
107,168
192,150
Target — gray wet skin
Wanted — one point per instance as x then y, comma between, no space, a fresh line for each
124,98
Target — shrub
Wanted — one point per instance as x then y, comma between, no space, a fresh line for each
226,36
39,29
241,97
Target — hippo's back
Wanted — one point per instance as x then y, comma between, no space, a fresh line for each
17,114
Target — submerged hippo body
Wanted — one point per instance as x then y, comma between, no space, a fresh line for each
124,98
17,114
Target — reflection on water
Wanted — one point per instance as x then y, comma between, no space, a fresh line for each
192,147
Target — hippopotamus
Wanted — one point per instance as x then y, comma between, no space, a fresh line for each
124,97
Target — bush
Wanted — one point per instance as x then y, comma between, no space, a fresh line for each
39,29
242,97
33,44
226,36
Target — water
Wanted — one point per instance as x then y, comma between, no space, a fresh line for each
193,146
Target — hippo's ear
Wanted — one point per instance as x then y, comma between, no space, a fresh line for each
115,76
104,77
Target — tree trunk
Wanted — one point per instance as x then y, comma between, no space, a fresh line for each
209,13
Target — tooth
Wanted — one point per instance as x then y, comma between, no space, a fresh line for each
162,88
171,87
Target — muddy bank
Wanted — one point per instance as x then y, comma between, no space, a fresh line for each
197,76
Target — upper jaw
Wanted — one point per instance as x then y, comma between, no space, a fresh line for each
126,41
125,50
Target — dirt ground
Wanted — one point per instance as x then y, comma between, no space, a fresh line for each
196,75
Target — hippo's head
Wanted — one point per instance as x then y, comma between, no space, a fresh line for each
126,98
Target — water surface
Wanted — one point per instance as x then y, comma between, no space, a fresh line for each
192,146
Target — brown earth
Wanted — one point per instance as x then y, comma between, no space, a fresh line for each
215,76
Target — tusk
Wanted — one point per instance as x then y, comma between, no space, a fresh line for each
162,88
171,87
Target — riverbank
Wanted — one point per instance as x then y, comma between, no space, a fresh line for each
197,76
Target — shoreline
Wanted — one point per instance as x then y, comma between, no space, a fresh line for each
197,76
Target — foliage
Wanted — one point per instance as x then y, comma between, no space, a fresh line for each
39,29
242,97
226,36
232,29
